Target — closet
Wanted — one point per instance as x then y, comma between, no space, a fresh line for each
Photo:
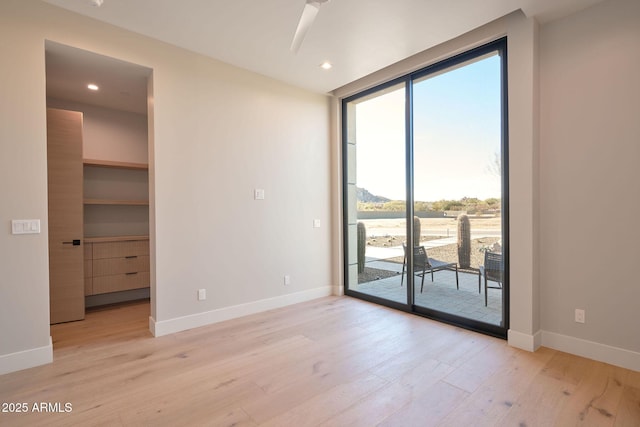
98,210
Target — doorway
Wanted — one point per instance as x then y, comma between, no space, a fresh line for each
110,97
426,191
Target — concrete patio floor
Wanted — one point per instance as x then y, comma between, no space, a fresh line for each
441,294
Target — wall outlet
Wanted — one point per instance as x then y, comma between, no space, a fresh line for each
579,315
316,223
287,280
258,194
202,294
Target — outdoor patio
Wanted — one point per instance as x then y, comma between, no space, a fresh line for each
441,294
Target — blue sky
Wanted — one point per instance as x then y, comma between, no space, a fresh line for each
456,136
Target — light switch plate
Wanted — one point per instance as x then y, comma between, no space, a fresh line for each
258,194
25,226
316,223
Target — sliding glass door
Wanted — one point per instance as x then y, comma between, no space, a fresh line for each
425,191
376,182
457,150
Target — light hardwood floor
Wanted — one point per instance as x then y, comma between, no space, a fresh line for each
335,361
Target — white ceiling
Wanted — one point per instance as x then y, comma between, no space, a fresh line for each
357,36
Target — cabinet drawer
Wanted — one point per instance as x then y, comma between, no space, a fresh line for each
120,282
120,249
108,266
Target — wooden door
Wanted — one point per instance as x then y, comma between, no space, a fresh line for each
66,256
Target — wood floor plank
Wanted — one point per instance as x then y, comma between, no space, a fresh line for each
325,371
628,413
596,400
428,406
476,370
374,408
494,399
334,361
325,405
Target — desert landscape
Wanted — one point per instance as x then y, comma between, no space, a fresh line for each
391,233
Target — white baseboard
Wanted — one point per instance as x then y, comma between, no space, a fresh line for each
165,327
592,350
524,341
26,359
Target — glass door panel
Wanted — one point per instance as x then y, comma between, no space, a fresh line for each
375,194
457,187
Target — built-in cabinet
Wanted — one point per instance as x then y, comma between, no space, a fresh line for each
116,217
116,264
116,198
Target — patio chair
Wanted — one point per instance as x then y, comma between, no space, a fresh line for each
492,270
422,265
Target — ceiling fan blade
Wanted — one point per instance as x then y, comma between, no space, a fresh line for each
309,13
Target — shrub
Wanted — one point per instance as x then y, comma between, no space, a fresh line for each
464,241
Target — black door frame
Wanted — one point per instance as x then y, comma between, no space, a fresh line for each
499,46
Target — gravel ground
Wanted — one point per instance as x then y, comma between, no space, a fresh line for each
449,253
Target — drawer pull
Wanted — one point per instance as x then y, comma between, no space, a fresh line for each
131,256
130,274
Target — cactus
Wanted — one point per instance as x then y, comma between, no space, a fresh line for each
464,241
416,231
362,245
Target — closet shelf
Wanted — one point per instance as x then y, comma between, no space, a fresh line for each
113,164
116,202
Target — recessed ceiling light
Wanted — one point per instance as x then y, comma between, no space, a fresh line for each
97,3
326,65
92,86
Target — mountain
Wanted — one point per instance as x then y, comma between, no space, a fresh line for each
363,195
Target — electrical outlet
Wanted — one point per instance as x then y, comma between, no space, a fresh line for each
579,315
202,294
287,280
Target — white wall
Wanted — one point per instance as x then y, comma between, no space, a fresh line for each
590,179
239,132
24,273
219,132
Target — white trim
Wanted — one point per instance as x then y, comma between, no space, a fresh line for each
601,352
524,341
26,359
170,326
592,350
338,291
152,326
